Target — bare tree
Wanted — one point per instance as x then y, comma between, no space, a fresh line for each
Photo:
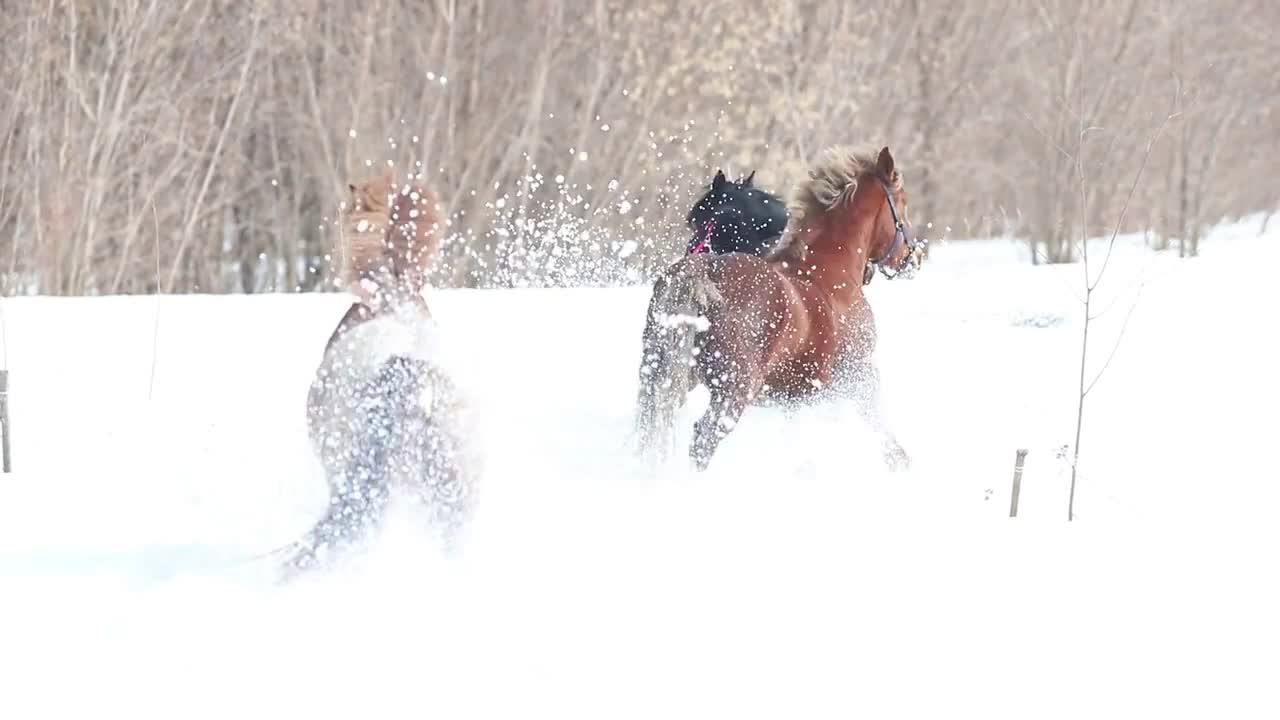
1091,283
580,132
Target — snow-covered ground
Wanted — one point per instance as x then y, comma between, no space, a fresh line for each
795,579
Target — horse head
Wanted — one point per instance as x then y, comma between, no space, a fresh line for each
391,238
852,208
894,249
735,216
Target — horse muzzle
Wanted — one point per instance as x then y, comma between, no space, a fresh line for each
911,264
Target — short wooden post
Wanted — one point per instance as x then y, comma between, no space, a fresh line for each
4,419
1017,482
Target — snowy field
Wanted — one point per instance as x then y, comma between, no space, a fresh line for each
795,579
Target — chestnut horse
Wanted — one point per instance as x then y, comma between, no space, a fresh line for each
788,327
382,415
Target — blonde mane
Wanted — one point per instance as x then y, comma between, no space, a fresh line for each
831,182
390,235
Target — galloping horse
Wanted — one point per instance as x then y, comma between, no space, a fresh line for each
786,326
736,217
381,414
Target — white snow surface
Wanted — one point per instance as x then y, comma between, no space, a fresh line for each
794,579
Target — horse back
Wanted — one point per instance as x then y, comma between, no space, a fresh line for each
782,327
763,312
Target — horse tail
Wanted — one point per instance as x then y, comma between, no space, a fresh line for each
676,314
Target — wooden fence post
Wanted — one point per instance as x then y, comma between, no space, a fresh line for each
1017,481
4,419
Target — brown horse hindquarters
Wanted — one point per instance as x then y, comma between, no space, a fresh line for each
809,362
757,341
782,343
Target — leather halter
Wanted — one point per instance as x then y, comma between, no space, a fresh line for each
899,237
702,243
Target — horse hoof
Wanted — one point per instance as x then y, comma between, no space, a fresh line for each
699,460
897,460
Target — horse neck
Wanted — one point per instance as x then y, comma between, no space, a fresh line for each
838,256
409,309
405,306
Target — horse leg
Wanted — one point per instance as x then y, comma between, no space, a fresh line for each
445,485
728,402
355,507
358,497
869,400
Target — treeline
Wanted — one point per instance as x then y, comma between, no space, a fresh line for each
204,145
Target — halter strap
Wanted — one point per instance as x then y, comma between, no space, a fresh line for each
899,237
703,243
899,227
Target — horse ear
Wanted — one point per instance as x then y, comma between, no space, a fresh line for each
885,163
719,180
747,182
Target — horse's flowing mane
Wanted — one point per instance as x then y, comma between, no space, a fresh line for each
832,180
391,234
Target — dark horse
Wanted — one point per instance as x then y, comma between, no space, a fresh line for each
736,217
785,326
382,414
